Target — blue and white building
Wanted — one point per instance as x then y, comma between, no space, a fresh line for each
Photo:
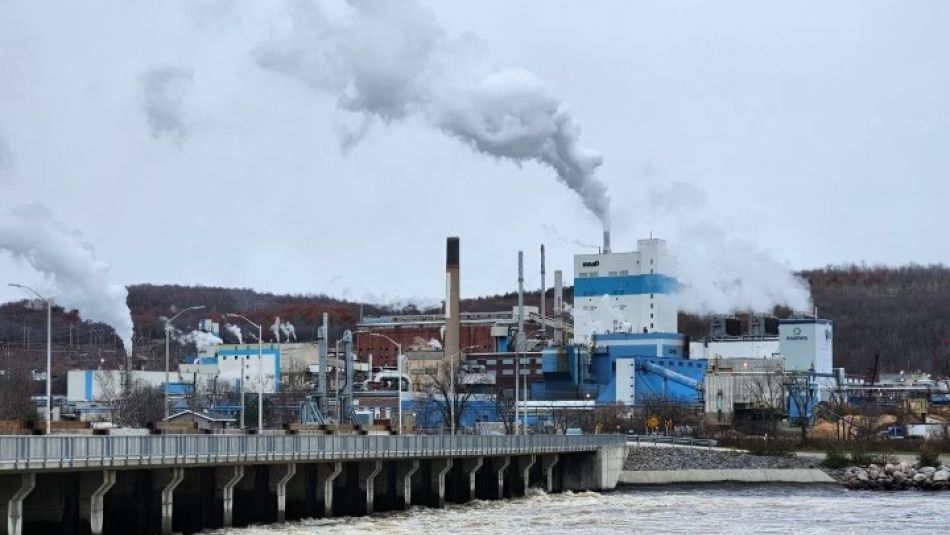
631,292
626,346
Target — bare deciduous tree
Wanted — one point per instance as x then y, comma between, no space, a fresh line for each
16,390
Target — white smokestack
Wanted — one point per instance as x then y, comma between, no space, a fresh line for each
236,331
74,276
391,61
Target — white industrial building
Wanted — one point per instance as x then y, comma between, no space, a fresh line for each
807,344
625,292
738,348
220,364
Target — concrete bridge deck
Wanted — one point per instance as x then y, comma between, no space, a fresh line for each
48,453
187,483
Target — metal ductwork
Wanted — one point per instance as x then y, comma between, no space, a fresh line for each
671,375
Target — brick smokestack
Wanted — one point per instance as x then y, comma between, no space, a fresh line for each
452,323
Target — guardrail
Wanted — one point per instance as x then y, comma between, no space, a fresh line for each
27,453
676,441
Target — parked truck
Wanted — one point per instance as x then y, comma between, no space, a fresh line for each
921,431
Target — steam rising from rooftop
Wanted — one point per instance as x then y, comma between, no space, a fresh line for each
73,275
391,61
719,271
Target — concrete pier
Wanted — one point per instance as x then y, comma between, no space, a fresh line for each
369,471
185,484
92,498
232,475
172,478
327,475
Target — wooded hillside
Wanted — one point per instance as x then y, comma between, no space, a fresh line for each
902,313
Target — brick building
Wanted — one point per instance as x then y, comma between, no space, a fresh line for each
484,332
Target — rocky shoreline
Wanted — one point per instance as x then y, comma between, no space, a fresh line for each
661,458
900,476
890,476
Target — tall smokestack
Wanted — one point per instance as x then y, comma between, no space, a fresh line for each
606,241
322,335
544,289
452,323
558,304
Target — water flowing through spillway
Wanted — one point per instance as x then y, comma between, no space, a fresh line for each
726,509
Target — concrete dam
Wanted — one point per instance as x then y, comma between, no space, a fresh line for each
162,484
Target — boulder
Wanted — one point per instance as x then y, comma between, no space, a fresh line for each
889,468
873,474
941,475
927,470
919,477
862,475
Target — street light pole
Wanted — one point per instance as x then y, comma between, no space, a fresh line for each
168,328
260,380
49,354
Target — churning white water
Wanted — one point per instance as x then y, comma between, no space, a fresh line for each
731,509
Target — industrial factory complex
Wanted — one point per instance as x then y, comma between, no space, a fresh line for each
617,344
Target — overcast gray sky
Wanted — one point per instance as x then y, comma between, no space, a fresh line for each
809,132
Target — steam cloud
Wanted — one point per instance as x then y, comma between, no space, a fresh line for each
289,331
235,331
74,276
391,61
201,339
163,92
718,272
275,329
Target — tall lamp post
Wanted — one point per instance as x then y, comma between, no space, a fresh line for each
260,375
168,328
398,372
49,353
452,385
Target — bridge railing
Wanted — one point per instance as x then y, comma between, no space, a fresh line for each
19,453
676,441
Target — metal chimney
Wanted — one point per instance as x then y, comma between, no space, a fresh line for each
544,290
346,405
452,301
324,355
606,249
558,304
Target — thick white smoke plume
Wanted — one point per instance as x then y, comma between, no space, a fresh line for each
163,92
275,329
289,331
73,275
719,272
235,331
201,339
390,61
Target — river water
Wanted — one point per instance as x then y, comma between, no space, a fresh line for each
696,510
